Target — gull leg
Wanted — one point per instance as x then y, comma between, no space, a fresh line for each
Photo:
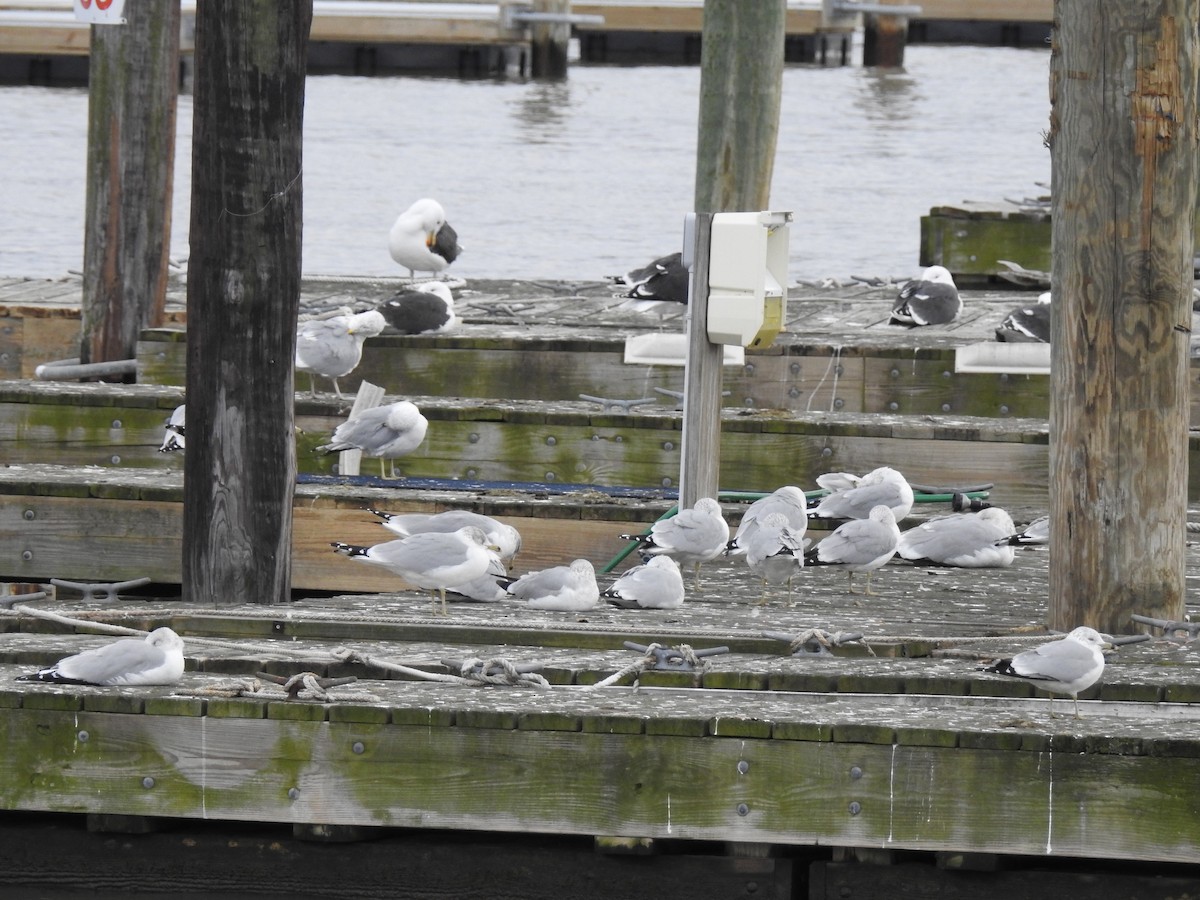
445,608
869,591
337,390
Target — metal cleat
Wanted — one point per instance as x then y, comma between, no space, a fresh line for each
625,406
675,659
814,641
1170,628
106,591
10,600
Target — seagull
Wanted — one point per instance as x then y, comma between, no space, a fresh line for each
155,659
860,545
653,286
931,299
504,536
434,561
694,535
883,485
173,439
1066,666
427,308
788,500
1036,532
774,551
1027,323
333,347
422,240
569,588
656,584
969,540
388,432
488,587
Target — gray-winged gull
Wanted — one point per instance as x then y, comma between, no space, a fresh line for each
426,308
694,535
970,540
434,561
155,659
1036,532
774,551
656,584
932,299
1027,323
663,281
1065,666
788,500
387,432
883,485
333,347
569,588
504,536
860,545
174,437
422,240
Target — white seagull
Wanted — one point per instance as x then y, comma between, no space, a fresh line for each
569,588
173,439
387,432
883,485
333,347
1066,666
774,551
505,537
422,240
654,585
155,659
433,561
969,540
694,535
788,500
426,308
860,545
931,299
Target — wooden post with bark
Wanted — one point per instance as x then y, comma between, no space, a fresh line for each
243,299
133,83
1123,143
549,40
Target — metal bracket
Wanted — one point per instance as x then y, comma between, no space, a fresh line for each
107,591
674,659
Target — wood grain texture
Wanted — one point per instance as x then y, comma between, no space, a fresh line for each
1123,142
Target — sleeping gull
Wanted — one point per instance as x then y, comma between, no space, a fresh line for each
694,535
424,309
430,560
788,500
504,536
970,540
333,347
173,439
1066,666
388,432
155,659
422,240
931,299
569,588
774,551
883,485
1027,323
663,281
654,585
860,545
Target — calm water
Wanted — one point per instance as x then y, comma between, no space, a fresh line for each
588,177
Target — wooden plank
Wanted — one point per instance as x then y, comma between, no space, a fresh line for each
987,10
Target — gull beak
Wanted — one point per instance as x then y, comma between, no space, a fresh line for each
430,238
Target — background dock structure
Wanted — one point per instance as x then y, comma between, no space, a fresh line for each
855,774
40,40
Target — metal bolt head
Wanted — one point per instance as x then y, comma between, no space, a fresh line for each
855,807
29,515
358,747
83,737
147,782
743,809
743,767
293,793
856,772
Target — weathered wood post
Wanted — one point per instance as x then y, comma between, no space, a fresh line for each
885,34
1123,144
741,89
548,40
243,298
133,82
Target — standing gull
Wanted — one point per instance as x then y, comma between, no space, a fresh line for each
422,240
504,536
333,347
774,551
788,500
569,588
387,432
424,309
433,561
654,585
155,659
883,485
860,545
931,299
173,439
1066,666
970,540
694,535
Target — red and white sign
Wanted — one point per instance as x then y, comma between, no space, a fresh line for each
100,12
